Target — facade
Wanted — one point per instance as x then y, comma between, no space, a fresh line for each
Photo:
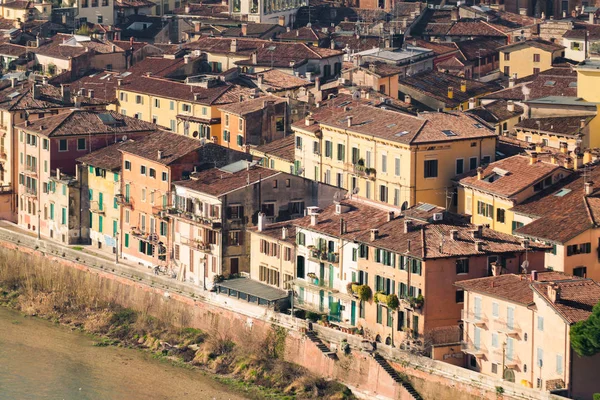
573,132
266,11
502,114
488,194
95,11
516,327
587,76
214,209
277,155
390,157
529,57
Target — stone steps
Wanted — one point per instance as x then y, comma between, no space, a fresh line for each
320,345
396,377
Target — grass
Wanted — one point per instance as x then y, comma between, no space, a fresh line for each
78,248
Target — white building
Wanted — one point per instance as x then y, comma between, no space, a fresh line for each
267,11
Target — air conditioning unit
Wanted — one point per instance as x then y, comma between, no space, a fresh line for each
438,216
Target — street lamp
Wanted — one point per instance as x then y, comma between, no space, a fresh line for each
116,247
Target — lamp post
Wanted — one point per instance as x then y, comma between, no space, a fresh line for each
38,224
116,247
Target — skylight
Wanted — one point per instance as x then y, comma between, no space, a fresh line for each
479,126
107,119
550,83
13,95
448,132
426,207
562,192
390,125
492,178
401,133
572,84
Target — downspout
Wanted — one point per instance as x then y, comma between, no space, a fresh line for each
414,178
533,363
569,350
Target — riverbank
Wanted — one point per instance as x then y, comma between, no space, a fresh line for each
255,367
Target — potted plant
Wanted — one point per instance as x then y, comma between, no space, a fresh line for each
392,302
419,301
364,293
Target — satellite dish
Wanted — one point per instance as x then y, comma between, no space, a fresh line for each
337,196
300,170
355,190
525,265
124,138
355,95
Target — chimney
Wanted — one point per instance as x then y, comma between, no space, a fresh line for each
523,11
349,118
463,86
478,245
472,103
589,188
533,158
309,120
539,147
187,9
159,154
591,18
390,216
13,82
407,225
453,234
317,83
564,147
186,58
510,106
582,123
534,276
553,159
113,48
511,82
254,58
44,80
260,79
282,20
261,221
284,233
408,245
314,219
65,91
454,14
374,234
554,292
244,29
342,226
58,173
450,92
407,99
496,269
197,26
568,163
119,81
564,14
587,156
479,173
91,93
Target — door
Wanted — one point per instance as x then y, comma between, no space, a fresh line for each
510,317
477,308
477,338
353,313
321,273
331,276
321,300
235,265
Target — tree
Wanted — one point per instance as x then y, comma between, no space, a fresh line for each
585,335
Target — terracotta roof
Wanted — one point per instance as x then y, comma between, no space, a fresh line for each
108,157
570,125
541,44
496,111
381,69
63,46
18,5
563,205
134,3
478,47
359,218
13,50
217,182
430,240
85,122
161,67
474,28
251,105
245,46
171,145
435,84
577,297
103,83
279,80
283,148
355,42
274,231
257,30
580,31
453,63
509,176
437,47
553,82
304,33
283,54
511,287
50,97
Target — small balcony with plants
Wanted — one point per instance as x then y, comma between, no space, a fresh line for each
361,170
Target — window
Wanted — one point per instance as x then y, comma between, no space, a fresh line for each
379,313
507,70
157,103
431,169
536,57
173,125
500,217
383,163
234,238
152,173
301,238
495,340
138,99
328,149
536,70
472,163
186,108
172,105
494,368
226,136
484,209
495,309
583,248
486,160
397,166
45,144
396,197
63,145
559,364
368,159
506,56
164,176
227,120
383,193
462,266
460,296
341,152
540,357
81,145
460,166
240,140
576,46
128,165
143,169
123,96
63,216
540,323
298,142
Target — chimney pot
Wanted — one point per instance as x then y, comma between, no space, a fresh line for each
159,154
349,121
496,269
454,234
261,221
533,158
390,216
478,245
554,292
450,92
314,219
534,276
407,225
407,99
479,173
284,233
510,106
589,188
472,103
374,234
342,226
463,86
582,123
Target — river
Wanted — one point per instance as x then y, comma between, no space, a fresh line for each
40,360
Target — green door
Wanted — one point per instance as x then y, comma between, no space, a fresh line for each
353,313
321,273
321,299
301,296
331,276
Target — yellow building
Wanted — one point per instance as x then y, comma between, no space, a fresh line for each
273,249
379,76
502,114
489,194
391,157
190,110
100,173
573,132
277,155
530,57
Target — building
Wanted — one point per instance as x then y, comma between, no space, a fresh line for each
575,132
394,158
149,168
214,208
47,149
408,60
277,155
266,11
379,76
488,194
100,173
273,249
439,91
253,122
569,205
501,114
517,328
588,73
529,57
94,11
580,41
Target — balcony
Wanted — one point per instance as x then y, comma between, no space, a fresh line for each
314,280
322,255
30,191
473,318
510,360
197,244
96,207
145,236
510,328
209,222
363,171
164,211
476,350
30,171
124,201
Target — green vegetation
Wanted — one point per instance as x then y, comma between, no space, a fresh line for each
585,335
364,293
392,302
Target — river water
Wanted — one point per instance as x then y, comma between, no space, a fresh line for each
40,360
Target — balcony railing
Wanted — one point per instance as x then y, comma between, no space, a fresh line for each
475,349
163,211
30,171
124,201
148,237
510,360
210,222
507,327
30,191
472,317
96,208
197,244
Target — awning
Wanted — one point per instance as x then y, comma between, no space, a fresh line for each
252,288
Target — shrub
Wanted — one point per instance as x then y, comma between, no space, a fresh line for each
393,302
125,316
312,316
364,293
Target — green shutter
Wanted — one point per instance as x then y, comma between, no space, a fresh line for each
52,211
116,177
91,169
64,216
91,195
100,201
91,220
127,240
115,227
100,223
115,204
